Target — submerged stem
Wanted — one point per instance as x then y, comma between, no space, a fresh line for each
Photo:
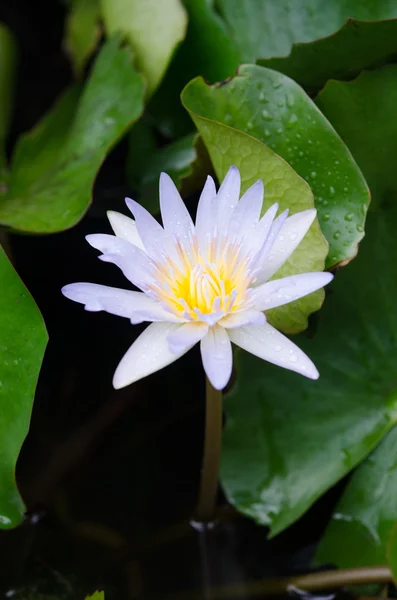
321,580
212,449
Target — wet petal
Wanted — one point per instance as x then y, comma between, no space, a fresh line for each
175,216
125,228
133,262
112,300
271,345
187,336
288,238
250,316
254,242
148,354
227,196
206,214
149,230
285,290
267,243
247,212
217,356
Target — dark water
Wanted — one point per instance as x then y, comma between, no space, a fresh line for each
110,478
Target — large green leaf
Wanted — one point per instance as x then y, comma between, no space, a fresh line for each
288,439
82,32
55,165
273,108
23,339
208,51
265,28
367,512
356,46
228,146
363,112
8,59
153,28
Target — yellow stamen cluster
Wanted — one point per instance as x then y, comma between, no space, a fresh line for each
203,285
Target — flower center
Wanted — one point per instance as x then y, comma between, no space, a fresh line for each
200,286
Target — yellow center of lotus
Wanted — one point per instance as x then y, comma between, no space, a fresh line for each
203,285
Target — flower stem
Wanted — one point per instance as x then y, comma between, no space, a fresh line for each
321,580
212,449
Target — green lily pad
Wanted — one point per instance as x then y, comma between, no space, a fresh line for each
363,112
54,166
366,515
356,46
267,28
153,28
82,32
228,146
287,439
96,596
274,109
23,339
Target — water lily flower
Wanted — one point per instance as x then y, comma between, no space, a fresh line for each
206,282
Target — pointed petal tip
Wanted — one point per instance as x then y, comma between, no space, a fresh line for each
217,357
65,290
311,213
232,172
91,239
219,386
130,203
313,374
120,378
118,383
164,177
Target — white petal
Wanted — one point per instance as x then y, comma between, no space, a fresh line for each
267,243
125,228
112,300
149,230
247,212
217,356
187,335
254,242
148,354
205,213
275,228
289,237
155,314
285,290
271,345
175,216
250,316
266,221
133,262
227,196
